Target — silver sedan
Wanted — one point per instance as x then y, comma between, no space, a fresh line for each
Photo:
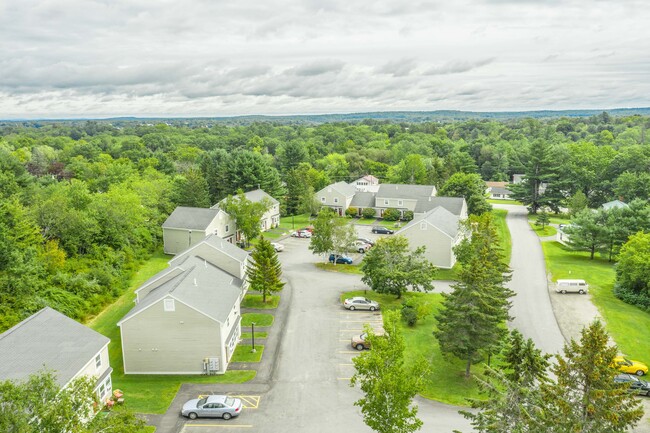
360,303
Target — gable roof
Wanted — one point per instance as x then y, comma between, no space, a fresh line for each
492,184
342,188
191,218
257,195
220,244
363,199
438,217
615,204
406,191
372,180
51,339
201,286
499,190
454,205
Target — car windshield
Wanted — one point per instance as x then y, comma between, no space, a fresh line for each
201,402
230,401
627,361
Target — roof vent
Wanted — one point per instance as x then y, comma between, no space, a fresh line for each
195,281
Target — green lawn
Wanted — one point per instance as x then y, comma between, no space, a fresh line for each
554,218
243,353
255,301
245,335
295,222
393,225
367,221
345,269
496,201
504,232
446,382
543,232
147,393
260,319
447,274
629,326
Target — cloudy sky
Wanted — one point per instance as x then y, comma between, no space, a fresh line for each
71,58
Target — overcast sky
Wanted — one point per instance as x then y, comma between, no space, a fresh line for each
74,58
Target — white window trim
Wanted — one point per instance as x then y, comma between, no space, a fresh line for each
336,199
169,305
98,361
322,199
400,203
386,202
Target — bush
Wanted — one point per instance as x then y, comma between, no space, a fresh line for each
408,215
409,314
352,211
368,213
392,214
630,297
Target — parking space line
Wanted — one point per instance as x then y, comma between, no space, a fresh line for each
247,401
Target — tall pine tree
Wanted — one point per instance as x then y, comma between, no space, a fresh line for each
471,319
265,272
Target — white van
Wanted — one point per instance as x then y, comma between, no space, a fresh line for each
572,286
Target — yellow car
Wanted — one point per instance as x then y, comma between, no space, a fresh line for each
630,366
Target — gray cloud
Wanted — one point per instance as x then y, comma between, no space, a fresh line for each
398,68
456,67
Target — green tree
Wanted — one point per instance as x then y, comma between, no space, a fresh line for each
630,185
391,267
246,213
542,219
264,271
250,170
343,236
633,271
388,385
410,170
512,390
322,239
472,316
540,186
577,203
299,191
469,186
191,189
587,231
584,397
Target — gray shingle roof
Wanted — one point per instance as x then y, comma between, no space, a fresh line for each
201,285
191,218
342,188
615,204
51,339
452,204
230,249
363,199
257,195
438,217
500,190
405,191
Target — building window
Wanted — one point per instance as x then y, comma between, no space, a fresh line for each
169,305
336,199
322,199
227,228
386,201
400,203
423,225
98,360
102,391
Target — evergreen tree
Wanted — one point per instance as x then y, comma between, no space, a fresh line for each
388,385
542,219
469,186
584,397
512,390
587,231
472,315
264,271
577,202
191,189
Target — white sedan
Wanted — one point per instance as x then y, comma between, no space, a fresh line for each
278,247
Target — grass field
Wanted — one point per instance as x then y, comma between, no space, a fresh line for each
147,393
365,221
629,326
260,319
258,334
255,301
295,222
555,219
495,201
345,269
243,353
446,382
543,232
504,232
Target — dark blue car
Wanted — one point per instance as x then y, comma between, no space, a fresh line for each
345,260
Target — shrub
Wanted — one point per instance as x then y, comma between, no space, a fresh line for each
630,297
368,213
351,211
409,314
408,215
392,214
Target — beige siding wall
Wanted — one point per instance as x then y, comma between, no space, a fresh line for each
178,240
395,203
224,225
91,369
271,218
438,245
170,342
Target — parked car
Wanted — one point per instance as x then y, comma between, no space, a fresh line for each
361,247
637,385
630,366
310,229
361,342
360,303
367,241
301,234
212,406
572,286
277,247
382,230
345,260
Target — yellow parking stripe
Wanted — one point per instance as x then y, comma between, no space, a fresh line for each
247,401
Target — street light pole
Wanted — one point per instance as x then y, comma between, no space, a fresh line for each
253,334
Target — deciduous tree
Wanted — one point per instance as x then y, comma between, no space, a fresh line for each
246,213
469,186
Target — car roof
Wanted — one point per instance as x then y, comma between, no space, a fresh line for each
216,399
359,298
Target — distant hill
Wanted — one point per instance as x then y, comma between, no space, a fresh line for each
391,116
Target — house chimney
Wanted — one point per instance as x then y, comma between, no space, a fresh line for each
195,281
205,263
